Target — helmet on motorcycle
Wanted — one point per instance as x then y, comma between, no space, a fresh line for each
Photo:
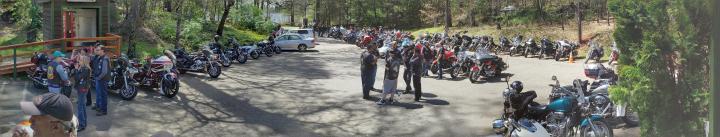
517,85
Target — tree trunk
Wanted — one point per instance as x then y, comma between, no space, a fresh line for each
228,4
292,12
178,23
578,13
448,17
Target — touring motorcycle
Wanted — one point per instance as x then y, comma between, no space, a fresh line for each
235,52
564,49
485,65
203,62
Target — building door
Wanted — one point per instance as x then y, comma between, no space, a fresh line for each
68,25
86,24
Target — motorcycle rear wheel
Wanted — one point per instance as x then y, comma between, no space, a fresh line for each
268,52
254,55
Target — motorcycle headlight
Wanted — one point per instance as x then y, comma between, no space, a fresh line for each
600,100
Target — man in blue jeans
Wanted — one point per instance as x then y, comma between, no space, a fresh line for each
101,76
368,69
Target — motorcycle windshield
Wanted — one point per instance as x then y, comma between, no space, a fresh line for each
483,54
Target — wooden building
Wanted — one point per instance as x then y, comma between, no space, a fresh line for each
76,18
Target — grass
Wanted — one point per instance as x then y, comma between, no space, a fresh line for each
243,36
12,39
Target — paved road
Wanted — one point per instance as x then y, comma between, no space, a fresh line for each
314,93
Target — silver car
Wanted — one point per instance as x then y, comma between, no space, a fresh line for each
294,42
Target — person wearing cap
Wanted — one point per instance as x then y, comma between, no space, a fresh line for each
57,76
415,66
51,114
100,69
368,69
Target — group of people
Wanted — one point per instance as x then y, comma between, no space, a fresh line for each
415,56
51,114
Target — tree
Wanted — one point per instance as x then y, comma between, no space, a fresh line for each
448,16
228,4
664,66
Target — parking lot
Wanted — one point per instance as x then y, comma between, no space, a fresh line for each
314,93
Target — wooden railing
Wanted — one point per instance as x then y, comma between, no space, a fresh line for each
111,42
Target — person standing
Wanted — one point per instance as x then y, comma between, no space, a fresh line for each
427,58
82,78
101,74
407,53
416,69
440,59
392,70
368,68
57,76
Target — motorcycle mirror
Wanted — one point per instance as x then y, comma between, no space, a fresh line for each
554,78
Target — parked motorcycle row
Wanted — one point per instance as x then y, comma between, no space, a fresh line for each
161,72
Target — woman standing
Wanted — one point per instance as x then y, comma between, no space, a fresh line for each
82,78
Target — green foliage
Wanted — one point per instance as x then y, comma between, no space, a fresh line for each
250,17
663,75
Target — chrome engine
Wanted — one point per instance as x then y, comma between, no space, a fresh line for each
557,123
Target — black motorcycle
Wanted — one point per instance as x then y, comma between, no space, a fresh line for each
531,48
595,53
517,46
203,62
485,65
38,73
235,52
547,49
505,44
564,49
121,77
265,48
218,50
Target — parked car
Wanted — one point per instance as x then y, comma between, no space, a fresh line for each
309,33
294,42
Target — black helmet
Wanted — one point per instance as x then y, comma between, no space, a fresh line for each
517,85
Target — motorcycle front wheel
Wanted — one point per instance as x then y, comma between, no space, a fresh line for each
128,91
254,55
214,71
169,88
242,58
602,129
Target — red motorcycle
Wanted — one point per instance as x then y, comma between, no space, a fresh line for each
448,62
160,73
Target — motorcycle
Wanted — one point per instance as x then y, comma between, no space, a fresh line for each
274,48
265,48
505,44
121,77
517,47
203,62
564,49
448,62
546,49
485,65
521,117
235,52
595,53
531,48
614,55
570,112
250,50
223,59
159,73
38,73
